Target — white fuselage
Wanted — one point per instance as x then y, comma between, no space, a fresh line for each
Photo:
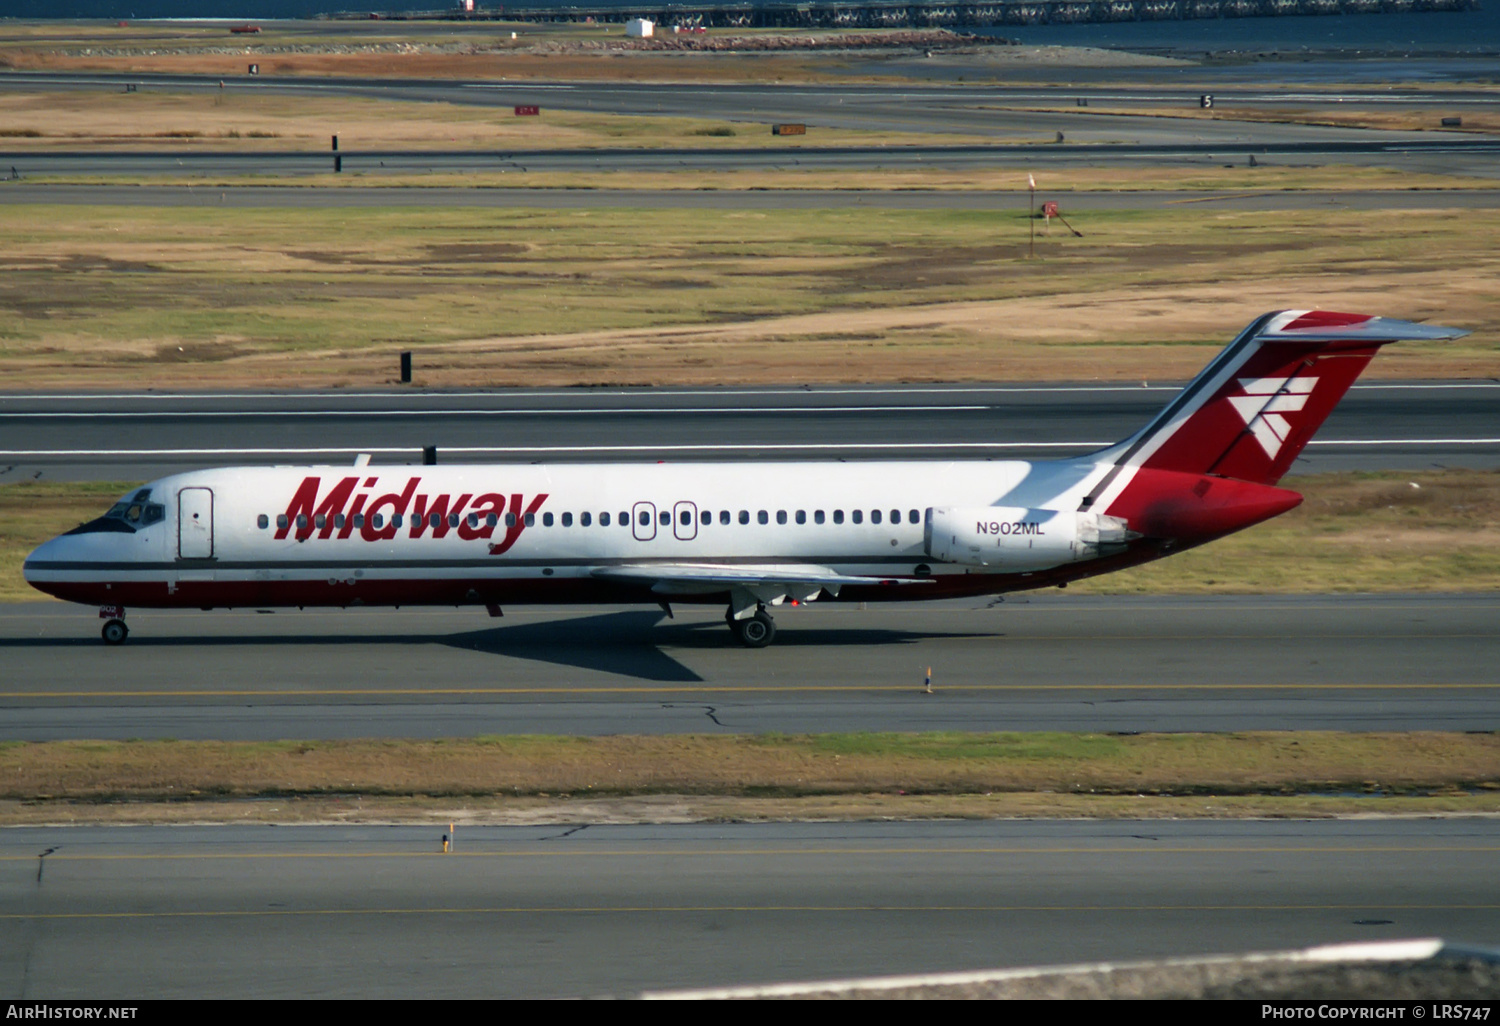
528,523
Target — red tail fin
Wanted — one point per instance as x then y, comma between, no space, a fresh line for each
1254,408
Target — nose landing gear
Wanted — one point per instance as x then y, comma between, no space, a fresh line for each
114,631
756,631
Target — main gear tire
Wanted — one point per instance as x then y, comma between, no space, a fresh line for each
756,631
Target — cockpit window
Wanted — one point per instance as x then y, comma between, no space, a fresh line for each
128,515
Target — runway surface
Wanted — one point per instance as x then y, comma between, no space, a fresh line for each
1399,425
1027,136
278,197
1042,661
1468,156
376,912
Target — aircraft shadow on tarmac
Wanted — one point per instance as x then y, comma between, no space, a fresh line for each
629,643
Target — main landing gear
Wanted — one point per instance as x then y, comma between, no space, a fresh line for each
756,631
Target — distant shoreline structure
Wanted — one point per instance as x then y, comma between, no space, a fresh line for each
930,14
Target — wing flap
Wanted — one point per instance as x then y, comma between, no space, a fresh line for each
749,585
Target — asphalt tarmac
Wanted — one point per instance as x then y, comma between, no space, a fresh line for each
378,912
1025,137
134,436
26,193
1038,661
1468,156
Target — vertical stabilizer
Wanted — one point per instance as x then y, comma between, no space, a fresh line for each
1254,408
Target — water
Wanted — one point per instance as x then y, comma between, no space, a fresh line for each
1431,34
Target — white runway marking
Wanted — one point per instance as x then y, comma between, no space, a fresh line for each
728,447
498,412
686,393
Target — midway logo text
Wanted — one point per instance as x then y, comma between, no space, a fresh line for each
347,507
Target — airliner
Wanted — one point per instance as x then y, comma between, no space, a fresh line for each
747,536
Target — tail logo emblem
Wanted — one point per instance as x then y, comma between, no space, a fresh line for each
1264,402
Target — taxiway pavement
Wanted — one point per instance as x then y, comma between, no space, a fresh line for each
26,193
578,911
1024,134
1379,425
1042,661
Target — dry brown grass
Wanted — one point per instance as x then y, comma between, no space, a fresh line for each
766,765
696,808
610,67
210,297
250,121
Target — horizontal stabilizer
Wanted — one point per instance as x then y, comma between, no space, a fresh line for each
1327,326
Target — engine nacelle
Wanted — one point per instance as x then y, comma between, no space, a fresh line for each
1017,538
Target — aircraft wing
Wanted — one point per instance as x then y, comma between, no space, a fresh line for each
749,585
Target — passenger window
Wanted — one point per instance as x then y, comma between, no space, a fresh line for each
838,516
645,518
874,516
510,520
491,520
817,516
472,518
377,520
359,520
584,519
396,519
338,520
762,517
603,519
546,519
781,516
567,520
262,521
915,516
452,519
802,516
895,516
530,520
434,519
744,516
686,517
319,521
624,519
858,516
301,521
664,517
723,516
705,517
281,521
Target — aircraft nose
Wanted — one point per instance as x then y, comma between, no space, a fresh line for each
35,566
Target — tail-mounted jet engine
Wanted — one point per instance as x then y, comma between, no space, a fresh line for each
1021,539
